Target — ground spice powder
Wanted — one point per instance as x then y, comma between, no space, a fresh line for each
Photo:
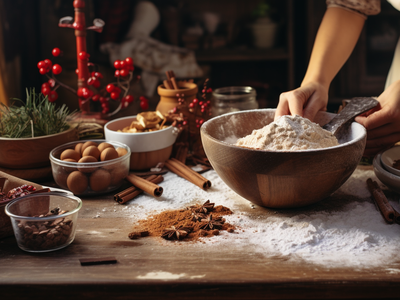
154,225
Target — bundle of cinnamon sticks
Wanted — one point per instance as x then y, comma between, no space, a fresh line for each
170,83
388,212
149,184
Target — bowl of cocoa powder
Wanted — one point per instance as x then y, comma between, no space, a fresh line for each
44,222
290,162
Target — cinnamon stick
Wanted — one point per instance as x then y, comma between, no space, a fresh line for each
381,201
167,84
174,84
184,171
133,191
145,185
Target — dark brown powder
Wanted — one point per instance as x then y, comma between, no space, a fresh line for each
157,223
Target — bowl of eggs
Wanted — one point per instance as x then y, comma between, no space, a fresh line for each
148,136
90,167
279,179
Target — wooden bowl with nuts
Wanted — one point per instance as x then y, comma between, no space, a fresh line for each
90,167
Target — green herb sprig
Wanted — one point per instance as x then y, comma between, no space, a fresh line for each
37,117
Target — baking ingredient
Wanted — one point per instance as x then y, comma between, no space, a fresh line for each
104,145
289,133
16,192
185,224
44,235
77,182
121,151
146,121
92,151
87,144
108,154
70,154
87,159
345,229
100,180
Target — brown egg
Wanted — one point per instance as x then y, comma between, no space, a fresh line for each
70,153
69,169
100,180
121,151
104,145
87,159
78,147
87,144
91,151
77,182
108,154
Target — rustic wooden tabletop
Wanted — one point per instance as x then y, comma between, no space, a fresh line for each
148,269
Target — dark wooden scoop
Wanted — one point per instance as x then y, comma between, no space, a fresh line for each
355,107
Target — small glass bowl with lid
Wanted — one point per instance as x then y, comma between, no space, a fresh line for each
233,98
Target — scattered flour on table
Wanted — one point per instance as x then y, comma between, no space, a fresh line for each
354,236
289,133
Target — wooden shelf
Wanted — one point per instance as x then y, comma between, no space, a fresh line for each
225,55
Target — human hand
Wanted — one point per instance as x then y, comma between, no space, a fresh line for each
304,101
383,122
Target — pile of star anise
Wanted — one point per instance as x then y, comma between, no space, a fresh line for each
200,214
189,224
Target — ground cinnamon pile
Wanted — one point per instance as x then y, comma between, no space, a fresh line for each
187,224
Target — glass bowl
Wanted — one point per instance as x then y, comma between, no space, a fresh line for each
44,222
90,178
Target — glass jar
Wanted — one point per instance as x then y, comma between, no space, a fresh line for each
233,98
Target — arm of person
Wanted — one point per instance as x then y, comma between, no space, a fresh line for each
336,38
383,122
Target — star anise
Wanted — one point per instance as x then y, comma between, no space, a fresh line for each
206,207
198,216
210,223
174,233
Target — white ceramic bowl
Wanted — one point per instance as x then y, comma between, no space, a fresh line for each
388,158
147,148
391,180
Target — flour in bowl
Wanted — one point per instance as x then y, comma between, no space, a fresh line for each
289,133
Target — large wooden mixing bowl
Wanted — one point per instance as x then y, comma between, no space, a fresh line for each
278,179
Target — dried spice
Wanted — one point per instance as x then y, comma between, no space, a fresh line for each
176,233
210,223
17,192
206,207
166,223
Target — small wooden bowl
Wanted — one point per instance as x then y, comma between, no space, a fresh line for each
28,153
278,179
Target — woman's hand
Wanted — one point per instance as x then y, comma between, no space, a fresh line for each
383,122
304,101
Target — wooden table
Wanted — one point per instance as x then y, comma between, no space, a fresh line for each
147,269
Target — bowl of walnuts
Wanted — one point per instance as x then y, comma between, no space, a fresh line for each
90,167
149,135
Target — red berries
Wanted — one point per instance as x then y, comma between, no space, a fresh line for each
56,52
144,103
123,67
57,69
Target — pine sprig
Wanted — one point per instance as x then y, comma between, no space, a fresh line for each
37,117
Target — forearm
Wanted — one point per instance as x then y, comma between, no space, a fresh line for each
335,40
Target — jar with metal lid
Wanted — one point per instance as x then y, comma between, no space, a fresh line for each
233,98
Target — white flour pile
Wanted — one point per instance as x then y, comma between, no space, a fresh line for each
353,234
289,133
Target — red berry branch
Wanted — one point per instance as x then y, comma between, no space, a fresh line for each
114,91
190,116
